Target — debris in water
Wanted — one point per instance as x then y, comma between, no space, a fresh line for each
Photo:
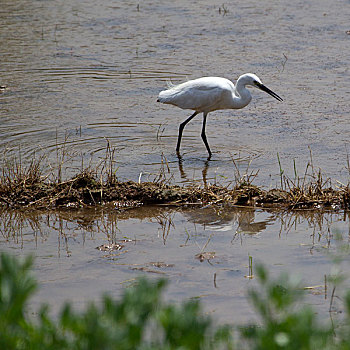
205,256
110,247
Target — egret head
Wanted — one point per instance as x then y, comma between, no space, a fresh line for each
253,80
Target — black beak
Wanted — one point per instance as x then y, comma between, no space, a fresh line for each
270,92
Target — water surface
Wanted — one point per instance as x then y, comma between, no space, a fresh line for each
165,242
81,73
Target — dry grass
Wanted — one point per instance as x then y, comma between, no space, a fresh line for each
28,187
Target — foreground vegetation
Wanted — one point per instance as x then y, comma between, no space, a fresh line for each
28,186
141,320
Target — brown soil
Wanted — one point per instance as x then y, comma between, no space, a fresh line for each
85,190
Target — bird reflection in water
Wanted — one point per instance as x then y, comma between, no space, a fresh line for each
184,176
238,219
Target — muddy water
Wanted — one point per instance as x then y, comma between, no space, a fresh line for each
165,242
80,73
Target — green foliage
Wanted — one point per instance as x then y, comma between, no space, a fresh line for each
115,324
183,329
284,324
16,286
141,320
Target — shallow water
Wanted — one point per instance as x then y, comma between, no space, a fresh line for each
91,71
165,242
80,74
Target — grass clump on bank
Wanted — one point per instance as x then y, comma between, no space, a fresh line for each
28,187
142,320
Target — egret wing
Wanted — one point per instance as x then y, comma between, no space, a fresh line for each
203,95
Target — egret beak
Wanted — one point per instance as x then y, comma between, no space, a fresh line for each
264,88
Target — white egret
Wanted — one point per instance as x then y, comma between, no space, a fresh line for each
209,94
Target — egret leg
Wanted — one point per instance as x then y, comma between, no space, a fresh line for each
204,136
181,128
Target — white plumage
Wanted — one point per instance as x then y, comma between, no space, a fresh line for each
209,94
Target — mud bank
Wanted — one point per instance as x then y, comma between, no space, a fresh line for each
86,190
